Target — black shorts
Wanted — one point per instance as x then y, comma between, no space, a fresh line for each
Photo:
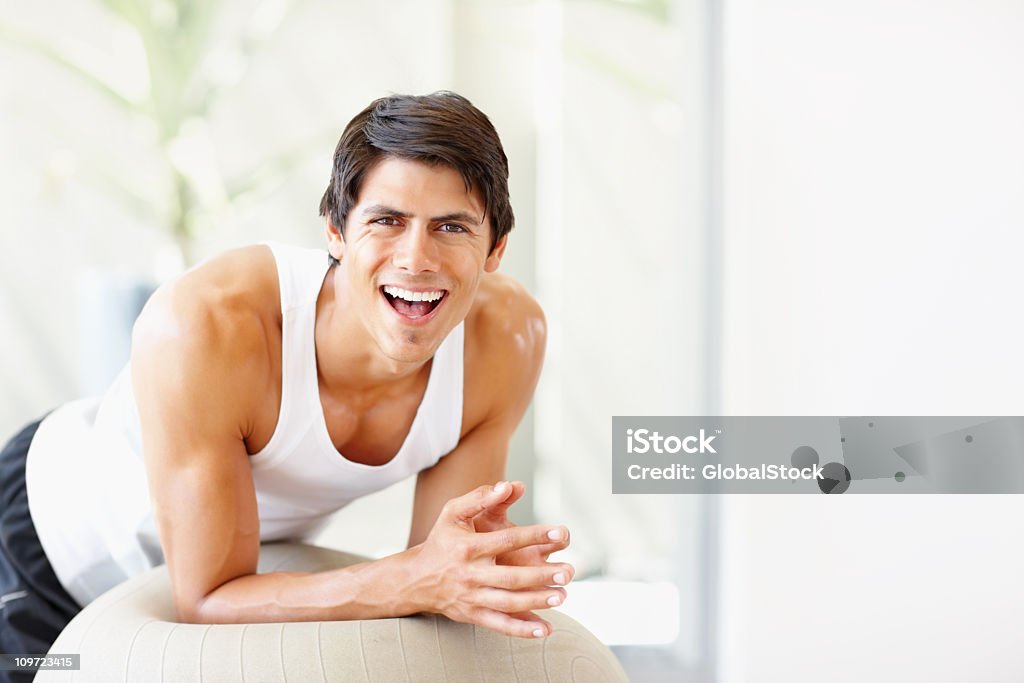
34,607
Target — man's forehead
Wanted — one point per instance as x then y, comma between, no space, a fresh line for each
408,185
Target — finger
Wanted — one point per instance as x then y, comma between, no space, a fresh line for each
514,538
544,550
538,620
463,509
495,517
500,510
518,601
518,578
530,616
534,556
521,625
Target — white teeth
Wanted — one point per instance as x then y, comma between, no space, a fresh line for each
412,296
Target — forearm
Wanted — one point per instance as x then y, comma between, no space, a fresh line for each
453,573
389,587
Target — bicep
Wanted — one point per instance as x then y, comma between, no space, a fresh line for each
200,483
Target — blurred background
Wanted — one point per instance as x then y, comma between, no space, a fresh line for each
747,207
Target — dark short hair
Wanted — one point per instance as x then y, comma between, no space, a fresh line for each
440,128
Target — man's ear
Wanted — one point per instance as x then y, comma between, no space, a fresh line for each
494,258
335,242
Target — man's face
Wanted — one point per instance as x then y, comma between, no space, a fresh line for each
416,245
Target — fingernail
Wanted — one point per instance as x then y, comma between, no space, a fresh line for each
500,486
538,633
554,601
555,534
560,578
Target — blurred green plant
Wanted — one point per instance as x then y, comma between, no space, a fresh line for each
182,82
658,10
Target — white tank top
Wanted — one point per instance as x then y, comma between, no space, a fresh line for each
86,479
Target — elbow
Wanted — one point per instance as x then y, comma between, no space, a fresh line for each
199,610
219,604
192,611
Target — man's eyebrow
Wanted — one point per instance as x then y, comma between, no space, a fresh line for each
463,216
381,209
384,210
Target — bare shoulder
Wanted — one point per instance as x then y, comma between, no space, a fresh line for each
231,292
505,318
212,327
506,334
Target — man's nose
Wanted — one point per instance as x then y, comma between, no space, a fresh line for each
415,251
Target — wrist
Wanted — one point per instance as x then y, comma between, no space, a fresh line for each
412,587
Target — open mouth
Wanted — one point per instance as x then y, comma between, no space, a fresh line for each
413,305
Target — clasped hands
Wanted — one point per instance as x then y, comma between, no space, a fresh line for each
480,568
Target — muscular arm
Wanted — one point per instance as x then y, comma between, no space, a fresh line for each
199,357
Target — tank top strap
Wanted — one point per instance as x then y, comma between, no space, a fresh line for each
442,408
300,272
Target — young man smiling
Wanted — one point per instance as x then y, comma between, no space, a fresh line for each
272,385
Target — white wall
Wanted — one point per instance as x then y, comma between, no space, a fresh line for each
873,232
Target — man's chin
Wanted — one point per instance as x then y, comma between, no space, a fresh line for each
411,346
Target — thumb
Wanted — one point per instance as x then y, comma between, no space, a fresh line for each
463,509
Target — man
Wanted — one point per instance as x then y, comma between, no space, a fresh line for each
271,385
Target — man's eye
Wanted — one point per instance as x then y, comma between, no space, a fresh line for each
452,227
386,220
